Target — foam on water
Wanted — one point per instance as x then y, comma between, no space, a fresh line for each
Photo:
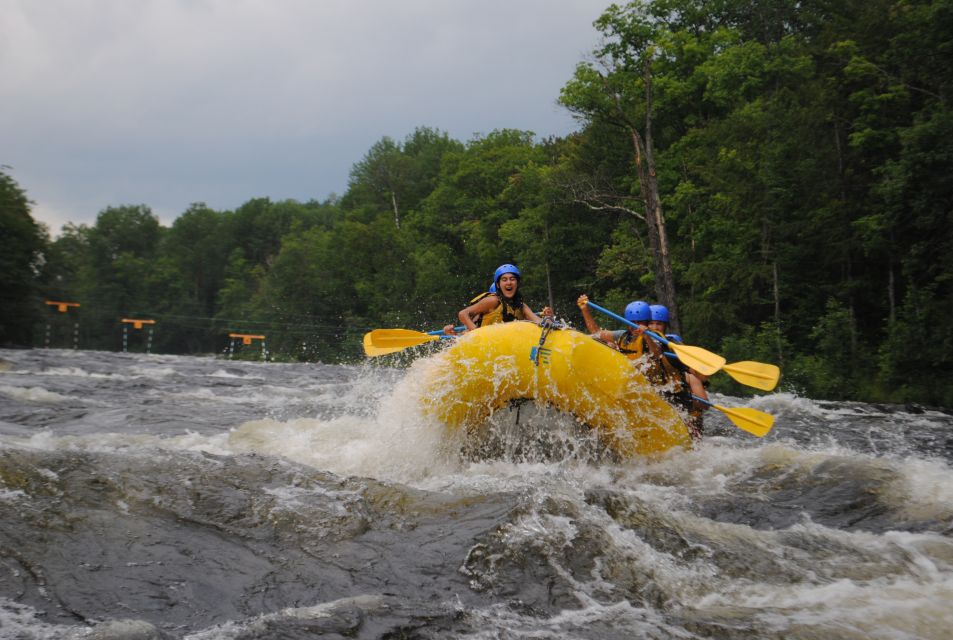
396,442
11,496
22,621
924,490
737,531
783,403
613,620
73,372
900,588
882,585
152,372
382,434
32,394
222,373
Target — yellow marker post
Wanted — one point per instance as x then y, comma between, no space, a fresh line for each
136,324
62,307
246,338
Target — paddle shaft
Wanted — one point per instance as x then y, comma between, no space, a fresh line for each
651,334
703,401
437,332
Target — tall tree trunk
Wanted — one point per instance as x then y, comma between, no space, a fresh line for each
891,279
851,309
891,292
393,201
768,254
549,279
664,276
777,310
851,301
654,217
549,286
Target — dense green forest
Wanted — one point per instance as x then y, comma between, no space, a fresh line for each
778,171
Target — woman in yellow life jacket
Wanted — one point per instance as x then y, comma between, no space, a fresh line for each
480,296
505,305
629,341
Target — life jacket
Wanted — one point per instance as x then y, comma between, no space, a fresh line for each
632,346
503,312
478,319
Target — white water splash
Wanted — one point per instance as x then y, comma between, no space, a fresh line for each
32,394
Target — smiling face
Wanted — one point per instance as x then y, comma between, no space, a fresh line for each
508,284
657,327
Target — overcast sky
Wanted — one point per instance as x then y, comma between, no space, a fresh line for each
170,102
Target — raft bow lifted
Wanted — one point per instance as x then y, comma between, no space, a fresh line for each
488,368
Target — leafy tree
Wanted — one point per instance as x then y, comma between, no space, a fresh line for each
239,287
66,265
618,88
467,208
395,177
22,243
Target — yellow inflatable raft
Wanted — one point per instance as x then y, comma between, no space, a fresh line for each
485,369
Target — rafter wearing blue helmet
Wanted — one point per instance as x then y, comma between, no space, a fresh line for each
504,305
638,311
658,315
629,341
480,296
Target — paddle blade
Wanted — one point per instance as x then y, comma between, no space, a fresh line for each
754,374
701,360
757,423
380,342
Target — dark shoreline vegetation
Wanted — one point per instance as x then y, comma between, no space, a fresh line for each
798,154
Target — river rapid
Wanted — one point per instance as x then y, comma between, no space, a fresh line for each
183,497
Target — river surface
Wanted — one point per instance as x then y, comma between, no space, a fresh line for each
184,497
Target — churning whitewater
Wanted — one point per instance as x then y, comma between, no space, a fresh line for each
182,497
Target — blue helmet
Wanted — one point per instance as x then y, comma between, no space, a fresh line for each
492,288
637,311
506,268
659,313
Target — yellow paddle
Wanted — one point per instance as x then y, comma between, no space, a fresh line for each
749,373
754,374
757,423
703,361
380,342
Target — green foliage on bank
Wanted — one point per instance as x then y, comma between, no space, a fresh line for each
803,149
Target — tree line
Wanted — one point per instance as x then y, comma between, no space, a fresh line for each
776,172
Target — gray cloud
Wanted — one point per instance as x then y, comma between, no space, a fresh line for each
168,102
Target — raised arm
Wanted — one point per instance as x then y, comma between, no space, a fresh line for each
594,329
583,304
467,314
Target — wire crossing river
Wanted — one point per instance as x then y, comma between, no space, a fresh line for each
177,497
